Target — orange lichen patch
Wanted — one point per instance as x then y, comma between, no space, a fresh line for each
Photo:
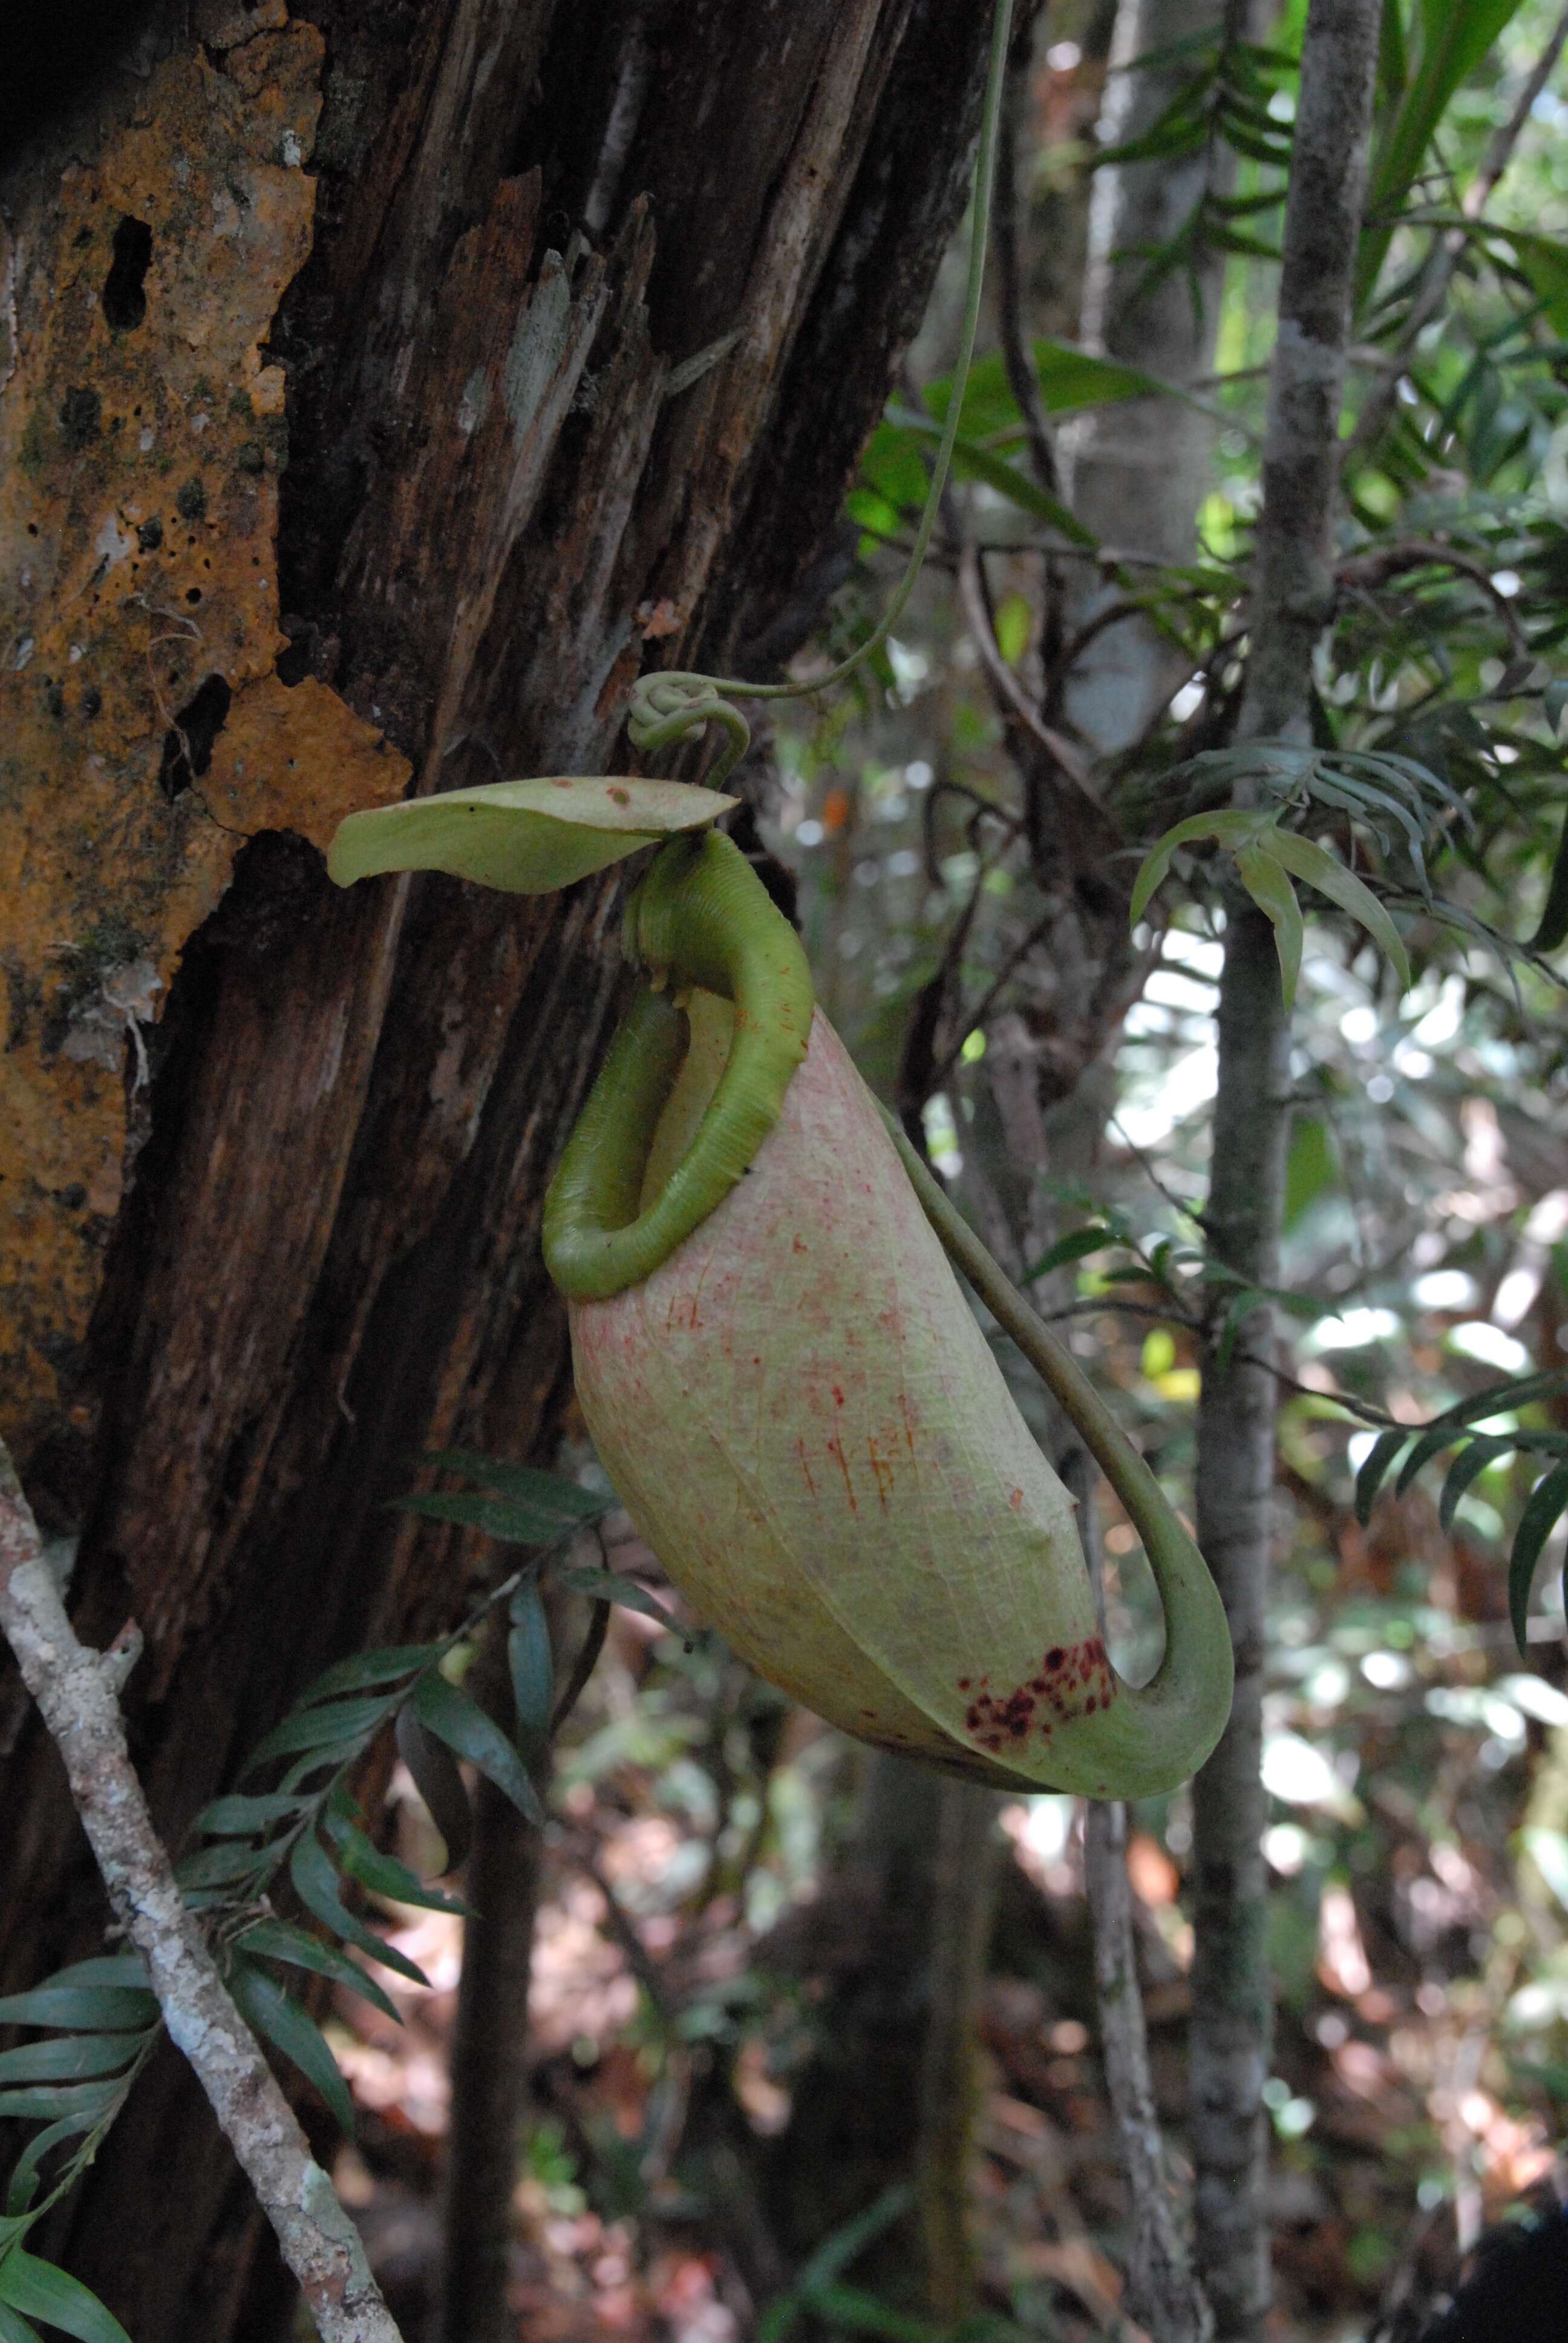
143,731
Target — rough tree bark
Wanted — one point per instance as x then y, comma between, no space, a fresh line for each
1291,601
443,256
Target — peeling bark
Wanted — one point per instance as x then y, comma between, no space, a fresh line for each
317,1249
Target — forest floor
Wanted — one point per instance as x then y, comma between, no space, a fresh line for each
1383,2122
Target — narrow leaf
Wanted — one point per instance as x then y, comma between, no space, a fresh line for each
39,2291
274,1940
362,1670
1505,1398
605,1586
1552,930
126,1968
28,2166
69,2057
1547,1500
268,2011
548,1491
41,2103
1077,1245
1375,1463
532,1664
1319,869
1274,895
338,1724
434,1774
316,1885
1231,828
223,1866
243,1817
458,1719
1431,1443
383,1873
514,1521
14,2328
99,2008
1466,1467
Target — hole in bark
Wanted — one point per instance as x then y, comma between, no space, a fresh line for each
124,301
188,743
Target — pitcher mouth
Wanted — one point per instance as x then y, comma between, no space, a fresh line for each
700,919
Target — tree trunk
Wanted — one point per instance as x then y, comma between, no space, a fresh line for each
1293,601
1141,470
342,445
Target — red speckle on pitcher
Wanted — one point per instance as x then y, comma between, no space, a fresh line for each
1006,1720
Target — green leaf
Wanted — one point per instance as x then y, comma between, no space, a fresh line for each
39,2291
276,1940
1312,1168
1319,869
1455,36
1374,1464
525,836
858,2313
243,1817
98,2009
316,1885
1274,895
69,2057
550,1492
531,1663
1431,1443
1231,828
383,1873
1020,488
1077,1245
1072,378
26,2170
1553,931
1013,626
126,1968
223,1866
1505,1398
268,2011
605,1586
14,2328
41,2103
1547,1500
514,1521
1467,1466
438,1781
458,1719
386,1665
338,1724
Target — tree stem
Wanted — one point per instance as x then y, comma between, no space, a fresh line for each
78,1691
1292,603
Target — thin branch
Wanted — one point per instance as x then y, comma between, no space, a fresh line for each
1162,2294
1013,700
77,1691
1023,379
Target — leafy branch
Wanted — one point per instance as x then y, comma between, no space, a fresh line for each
102,2018
1462,1429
